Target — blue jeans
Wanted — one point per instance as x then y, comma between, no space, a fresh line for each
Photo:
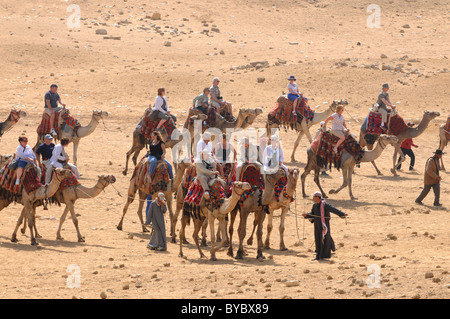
293,97
154,162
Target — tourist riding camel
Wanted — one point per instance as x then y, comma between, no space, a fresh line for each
161,110
157,153
217,101
382,104
45,150
60,159
52,99
339,127
201,101
206,170
24,156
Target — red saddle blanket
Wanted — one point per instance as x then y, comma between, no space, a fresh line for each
44,127
191,205
327,157
29,180
149,125
283,111
251,174
396,124
189,176
160,177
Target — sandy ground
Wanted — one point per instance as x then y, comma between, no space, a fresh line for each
334,55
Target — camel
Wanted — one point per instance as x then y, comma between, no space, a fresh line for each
318,117
285,199
238,188
444,136
410,132
82,132
42,192
12,119
143,191
139,140
253,204
347,164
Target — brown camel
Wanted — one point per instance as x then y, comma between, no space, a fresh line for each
12,119
347,164
318,117
138,182
139,141
28,201
253,204
81,132
238,188
444,137
410,132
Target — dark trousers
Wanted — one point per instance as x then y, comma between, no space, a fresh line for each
426,190
411,155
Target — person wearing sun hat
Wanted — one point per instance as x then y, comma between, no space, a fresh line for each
432,179
293,92
320,216
383,102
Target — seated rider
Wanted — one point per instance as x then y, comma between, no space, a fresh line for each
217,101
24,156
293,93
248,155
273,157
60,158
51,107
339,127
161,109
201,102
224,153
206,170
383,103
157,153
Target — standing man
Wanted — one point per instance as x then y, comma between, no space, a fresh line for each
45,150
383,103
406,150
51,105
217,100
320,216
432,179
156,217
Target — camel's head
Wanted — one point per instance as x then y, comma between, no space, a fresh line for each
336,103
241,187
62,173
107,179
274,177
64,112
389,139
100,114
293,174
4,158
430,115
18,113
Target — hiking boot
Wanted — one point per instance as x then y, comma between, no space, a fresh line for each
418,202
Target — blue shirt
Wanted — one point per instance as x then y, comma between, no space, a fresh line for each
53,97
45,151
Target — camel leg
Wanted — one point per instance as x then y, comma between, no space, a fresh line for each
29,211
75,149
250,239
317,181
230,231
442,145
344,183
70,205
397,150
269,229
222,227
61,222
284,211
309,166
24,228
131,194
197,225
19,222
259,232
213,237
204,226
242,233
142,200
184,221
297,142
178,209
349,182
370,147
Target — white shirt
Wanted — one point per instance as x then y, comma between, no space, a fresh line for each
159,103
58,154
293,88
24,153
337,123
202,146
271,152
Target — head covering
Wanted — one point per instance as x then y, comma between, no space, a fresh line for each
48,136
317,194
292,78
274,138
207,136
161,196
439,152
216,79
322,123
385,86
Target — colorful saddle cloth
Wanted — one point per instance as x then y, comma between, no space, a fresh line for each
67,119
396,125
29,181
251,174
160,177
149,125
283,114
189,176
327,157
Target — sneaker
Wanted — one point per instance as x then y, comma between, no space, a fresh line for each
324,173
437,205
53,132
151,247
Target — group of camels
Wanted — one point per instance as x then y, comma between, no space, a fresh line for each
261,202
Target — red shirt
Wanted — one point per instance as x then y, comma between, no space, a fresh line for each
407,144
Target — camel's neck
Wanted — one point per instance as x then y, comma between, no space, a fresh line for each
84,131
181,168
413,132
89,192
321,116
52,187
372,155
230,203
290,187
5,126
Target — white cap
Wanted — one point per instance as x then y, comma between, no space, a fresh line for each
274,138
207,136
161,196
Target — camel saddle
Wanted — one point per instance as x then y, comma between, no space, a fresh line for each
282,113
149,125
62,118
372,124
325,155
251,174
29,181
160,177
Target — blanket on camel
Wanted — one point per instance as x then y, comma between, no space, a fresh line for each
251,174
282,113
189,176
325,155
149,125
44,127
160,177
373,129
191,205
279,187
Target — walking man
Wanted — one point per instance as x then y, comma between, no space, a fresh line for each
432,179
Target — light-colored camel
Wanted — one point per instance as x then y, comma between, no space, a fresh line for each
253,204
285,199
410,132
42,192
444,134
139,140
69,195
75,137
137,179
318,117
347,164
12,119
238,188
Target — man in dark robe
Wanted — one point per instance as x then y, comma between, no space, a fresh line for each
320,216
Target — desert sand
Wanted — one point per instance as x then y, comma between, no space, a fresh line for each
332,52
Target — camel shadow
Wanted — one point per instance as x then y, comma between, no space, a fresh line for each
348,203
